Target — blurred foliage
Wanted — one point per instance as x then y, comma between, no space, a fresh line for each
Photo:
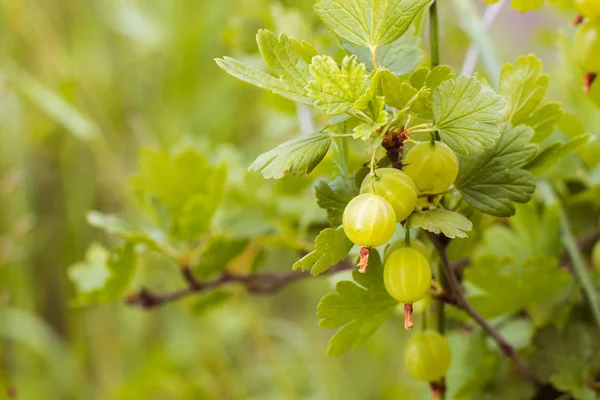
85,85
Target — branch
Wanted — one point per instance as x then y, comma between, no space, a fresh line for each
265,283
440,242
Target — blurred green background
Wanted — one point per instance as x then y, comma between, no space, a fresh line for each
84,84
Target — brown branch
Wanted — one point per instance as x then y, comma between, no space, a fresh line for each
440,242
264,283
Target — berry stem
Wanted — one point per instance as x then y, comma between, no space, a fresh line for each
363,261
588,81
408,316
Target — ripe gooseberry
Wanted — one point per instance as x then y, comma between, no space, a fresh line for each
587,46
407,275
596,255
394,186
590,9
427,356
369,220
432,166
399,244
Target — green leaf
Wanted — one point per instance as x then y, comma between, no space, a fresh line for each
401,95
473,365
534,231
400,57
285,62
555,152
523,86
333,90
451,224
424,77
369,23
505,287
492,181
466,114
566,358
218,252
334,197
297,157
115,225
331,247
102,276
374,106
183,186
304,49
544,120
358,309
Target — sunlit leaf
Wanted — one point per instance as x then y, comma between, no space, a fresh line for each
466,115
357,309
296,157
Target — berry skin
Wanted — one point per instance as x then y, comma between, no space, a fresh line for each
590,9
407,275
433,167
394,186
587,46
399,244
369,220
427,356
596,256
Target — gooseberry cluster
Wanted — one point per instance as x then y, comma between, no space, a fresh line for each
587,39
388,196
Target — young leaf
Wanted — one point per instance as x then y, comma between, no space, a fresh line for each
451,224
115,225
331,247
400,94
374,106
400,57
283,59
334,197
466,114
102,276
297,156
357,310
335,90
493,180
555,152
544,120
369,23
431,78
523,86
219,251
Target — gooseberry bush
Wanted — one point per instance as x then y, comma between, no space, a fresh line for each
442,195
